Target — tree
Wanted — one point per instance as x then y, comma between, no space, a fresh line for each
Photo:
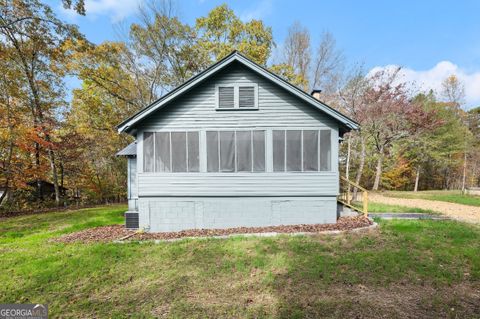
287,72
78,5
419,148
35,44
453,90
352,101
221,32
297,53
391,116
474,126
328,64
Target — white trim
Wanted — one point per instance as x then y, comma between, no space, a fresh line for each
237,57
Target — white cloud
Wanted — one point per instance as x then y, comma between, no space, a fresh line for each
261,9
432,79
116,10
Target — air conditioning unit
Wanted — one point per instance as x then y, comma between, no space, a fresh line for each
131,220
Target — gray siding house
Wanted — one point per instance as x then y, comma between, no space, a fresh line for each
233,146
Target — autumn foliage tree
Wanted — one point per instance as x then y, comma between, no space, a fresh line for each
32,37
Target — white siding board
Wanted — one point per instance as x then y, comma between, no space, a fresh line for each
238,184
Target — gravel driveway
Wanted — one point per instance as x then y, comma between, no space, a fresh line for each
465,213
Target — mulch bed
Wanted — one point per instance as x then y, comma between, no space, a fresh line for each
118,232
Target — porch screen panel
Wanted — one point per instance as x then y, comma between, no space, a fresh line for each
162,152
258,147
179,151
212,151
310,151
278,150
244,151
193,156
325,150
294,151
227,151
148,153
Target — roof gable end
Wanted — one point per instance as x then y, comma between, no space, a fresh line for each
129,123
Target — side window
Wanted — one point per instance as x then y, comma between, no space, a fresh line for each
278,150
212,151
310,151
227,151
325,150
301,150
148,153
165,152
162,151
235,151
294,151
179,151
258,151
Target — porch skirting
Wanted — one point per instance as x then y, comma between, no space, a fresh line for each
166,214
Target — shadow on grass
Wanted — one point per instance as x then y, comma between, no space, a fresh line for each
409,269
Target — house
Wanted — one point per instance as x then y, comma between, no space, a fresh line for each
233,146
42,189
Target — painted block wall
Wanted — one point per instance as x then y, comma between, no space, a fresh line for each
179,213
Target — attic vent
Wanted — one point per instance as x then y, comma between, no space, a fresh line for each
246,96
226,98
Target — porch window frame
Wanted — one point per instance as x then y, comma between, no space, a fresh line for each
319,150
252,152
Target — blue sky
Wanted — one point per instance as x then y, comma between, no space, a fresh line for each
429,39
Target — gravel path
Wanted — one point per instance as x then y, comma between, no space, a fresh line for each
465,213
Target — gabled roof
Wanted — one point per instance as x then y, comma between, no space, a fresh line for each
130,150
129,123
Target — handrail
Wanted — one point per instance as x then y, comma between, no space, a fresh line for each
345,197
353,184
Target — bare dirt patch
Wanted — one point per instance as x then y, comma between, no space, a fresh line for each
118,232
461,212
397,300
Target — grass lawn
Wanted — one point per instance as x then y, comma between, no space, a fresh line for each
386,208
404,269
444,196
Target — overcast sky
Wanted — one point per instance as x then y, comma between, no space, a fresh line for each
429,39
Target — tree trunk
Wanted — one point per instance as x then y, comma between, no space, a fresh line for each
378,172
4,194
37,165
417,178
361,165
8,162
464,178
51,156
349,150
